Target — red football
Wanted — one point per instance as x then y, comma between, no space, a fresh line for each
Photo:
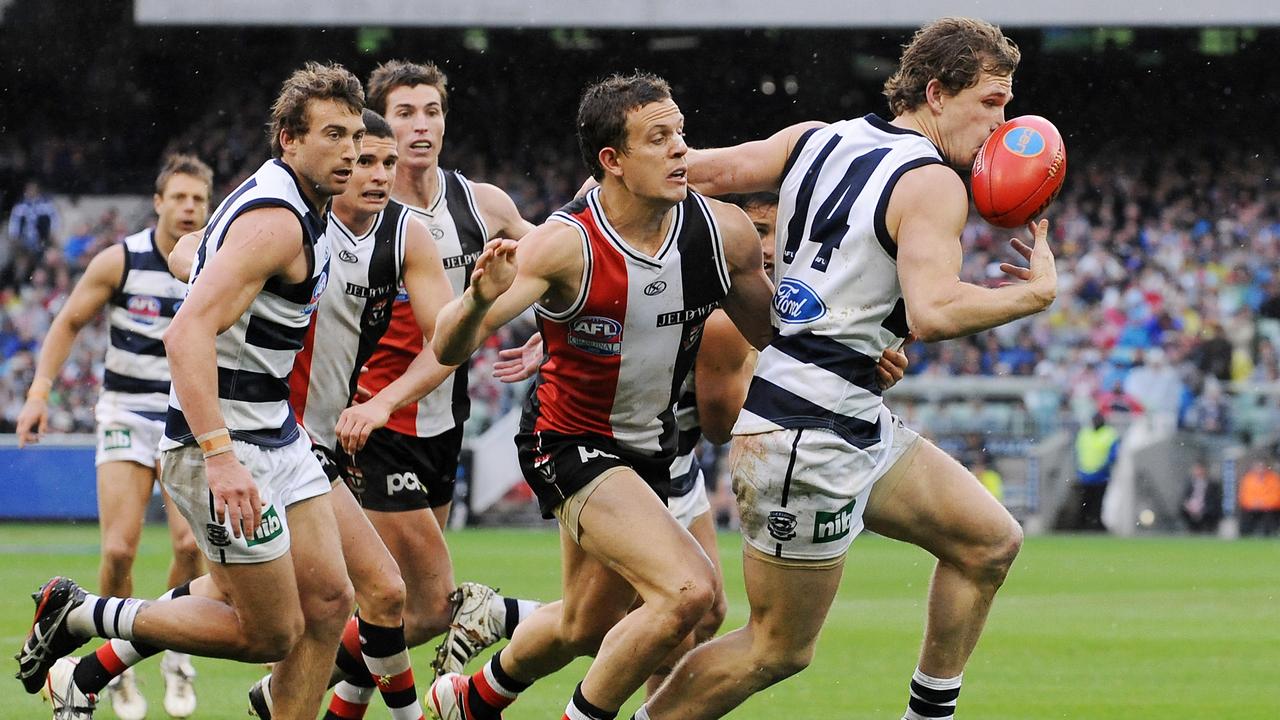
1019,171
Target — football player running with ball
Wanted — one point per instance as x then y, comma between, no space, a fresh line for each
869,222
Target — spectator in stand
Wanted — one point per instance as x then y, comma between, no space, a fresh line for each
985,470
1213,355
1156,385
33,220
1117,400
1209,413
1259,498
1202,502
1097,445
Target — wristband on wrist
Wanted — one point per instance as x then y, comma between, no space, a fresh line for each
215,442
40,388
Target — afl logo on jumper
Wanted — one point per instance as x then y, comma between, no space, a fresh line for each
347,256
655,288
144,309
797,303
1024,142
596,335
322,282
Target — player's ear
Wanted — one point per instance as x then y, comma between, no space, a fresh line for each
610,160
934,95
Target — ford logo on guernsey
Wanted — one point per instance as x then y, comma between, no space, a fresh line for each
596,335
1024,142
797,303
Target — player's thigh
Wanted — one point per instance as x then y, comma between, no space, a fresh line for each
316,547
594,597
703,530
369,564
628,528
930,500
124,489
415,540
265,595
789,601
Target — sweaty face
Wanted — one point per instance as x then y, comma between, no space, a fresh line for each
416,115
324,156
373,177
765,218
971,115
653,164
183,206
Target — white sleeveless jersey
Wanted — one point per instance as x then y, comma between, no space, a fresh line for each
137,371
838,304
256,354
459,232
364,277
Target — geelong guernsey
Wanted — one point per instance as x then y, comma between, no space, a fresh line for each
838,304
137,372
256,354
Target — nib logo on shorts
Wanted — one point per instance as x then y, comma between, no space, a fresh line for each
829,527
269,528
116,439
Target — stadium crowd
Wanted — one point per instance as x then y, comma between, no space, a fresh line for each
1170,296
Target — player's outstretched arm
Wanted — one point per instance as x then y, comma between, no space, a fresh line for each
183,256
547,264
925,216
755,166
750,293
499,211
100,280
429,291
259,245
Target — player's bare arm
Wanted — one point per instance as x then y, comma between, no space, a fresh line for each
750,293
545,267
926,215
429,291
499,212
91,293
755,166
258,245
722,373
183,256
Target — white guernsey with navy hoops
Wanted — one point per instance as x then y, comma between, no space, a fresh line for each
255,357
135,387
838,306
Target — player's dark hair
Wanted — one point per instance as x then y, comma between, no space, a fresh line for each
400,73
377,126
602,113
314,81
180,164
750,200
955,51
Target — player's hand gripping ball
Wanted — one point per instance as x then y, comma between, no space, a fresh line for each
1019,171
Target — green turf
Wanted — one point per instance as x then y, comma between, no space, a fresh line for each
1084,628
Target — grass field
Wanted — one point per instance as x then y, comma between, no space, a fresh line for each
1085,628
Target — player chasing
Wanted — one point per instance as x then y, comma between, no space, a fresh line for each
402,448
234,460
622,281
709,402
870,216
131,278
